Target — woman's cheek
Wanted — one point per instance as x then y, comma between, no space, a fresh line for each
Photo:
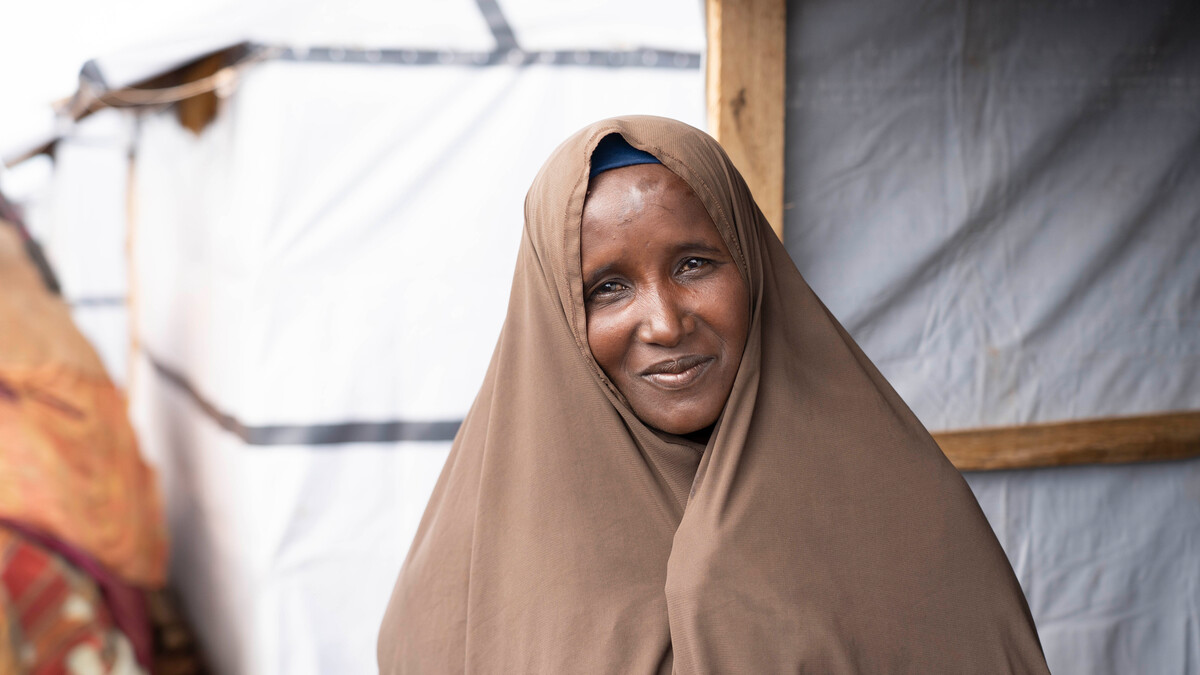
604,339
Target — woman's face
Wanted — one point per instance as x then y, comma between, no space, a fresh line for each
667,309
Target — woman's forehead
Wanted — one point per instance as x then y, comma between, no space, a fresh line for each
631,186
628,188
644,202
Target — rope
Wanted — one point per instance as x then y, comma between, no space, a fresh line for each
131,97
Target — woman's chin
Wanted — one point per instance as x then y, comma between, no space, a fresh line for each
678,423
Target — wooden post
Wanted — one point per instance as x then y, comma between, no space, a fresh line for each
132,291
747,55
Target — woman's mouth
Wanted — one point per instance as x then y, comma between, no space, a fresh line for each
677,373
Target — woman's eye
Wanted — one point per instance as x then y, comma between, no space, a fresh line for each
606,288
690,264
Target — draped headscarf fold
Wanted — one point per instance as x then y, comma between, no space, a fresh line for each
820,530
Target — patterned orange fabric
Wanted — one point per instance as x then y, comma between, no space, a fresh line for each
53,618
69,462
35,325
70,467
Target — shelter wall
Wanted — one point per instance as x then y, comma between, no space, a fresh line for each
1001,202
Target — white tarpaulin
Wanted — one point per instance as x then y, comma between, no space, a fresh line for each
79,218
320,280
1001,202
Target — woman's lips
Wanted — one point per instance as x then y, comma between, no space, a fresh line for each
677,373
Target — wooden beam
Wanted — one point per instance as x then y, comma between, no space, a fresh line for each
1112,440
747,55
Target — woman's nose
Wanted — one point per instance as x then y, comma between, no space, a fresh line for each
665,321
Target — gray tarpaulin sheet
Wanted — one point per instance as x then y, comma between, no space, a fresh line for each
1001,202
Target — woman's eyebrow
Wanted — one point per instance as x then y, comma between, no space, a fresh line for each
701,247
591,278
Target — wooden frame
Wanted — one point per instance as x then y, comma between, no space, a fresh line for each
746,87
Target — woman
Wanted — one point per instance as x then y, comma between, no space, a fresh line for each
680,462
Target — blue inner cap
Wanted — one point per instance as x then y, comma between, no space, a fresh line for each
614,152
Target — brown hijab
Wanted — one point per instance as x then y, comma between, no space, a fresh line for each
820,530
